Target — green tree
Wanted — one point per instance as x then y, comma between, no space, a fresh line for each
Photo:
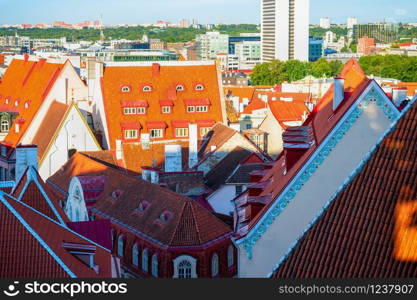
321,68
297,70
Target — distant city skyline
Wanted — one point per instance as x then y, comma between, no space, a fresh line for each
205,11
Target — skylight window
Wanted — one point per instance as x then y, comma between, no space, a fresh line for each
199,87
143,206
125,89
180,88
147,88
165,217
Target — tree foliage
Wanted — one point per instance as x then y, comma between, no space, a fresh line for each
276,72
403,68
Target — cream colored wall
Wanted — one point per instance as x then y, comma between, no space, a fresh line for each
310,200
271,126
74,134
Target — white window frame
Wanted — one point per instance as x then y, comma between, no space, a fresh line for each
230,256
145,260
154,263
181,132
128,134
190,109
5,126
153,135
147,88
189,259
214,265
129,110
180,88
204,131
166,109
125,89
135,255
199,87
120,245
141,110
201,108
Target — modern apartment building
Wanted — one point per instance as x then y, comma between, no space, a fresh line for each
211,44
325,23
285,29
381,32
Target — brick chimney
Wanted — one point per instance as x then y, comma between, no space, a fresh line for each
26,156
156,68
297,140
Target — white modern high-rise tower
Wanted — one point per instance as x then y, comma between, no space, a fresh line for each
285,29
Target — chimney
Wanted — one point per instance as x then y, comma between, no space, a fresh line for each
41,62
173,158
297,140
155,69
119,151
399,95
338,92
193,146
26,57
26,156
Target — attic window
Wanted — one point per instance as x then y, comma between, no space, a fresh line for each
26,104
125,89
143,206
7,100
116,194
180,87
165,217
199,87
16,103
147,88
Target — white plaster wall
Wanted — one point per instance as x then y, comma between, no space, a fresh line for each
271,126
220,200
309,201
74,134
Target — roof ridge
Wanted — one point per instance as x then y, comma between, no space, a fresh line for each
178,224
195,220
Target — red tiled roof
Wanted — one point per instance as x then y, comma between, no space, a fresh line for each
190,224
26,81
411,87
163,79
322,119
370,229
288,111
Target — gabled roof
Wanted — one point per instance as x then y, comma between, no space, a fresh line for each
189,224
322,120
32,191
370,228
49,126
217,136
26,83
163,79
32,246
288,111
242,173
218,175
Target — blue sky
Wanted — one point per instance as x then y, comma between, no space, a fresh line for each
206,11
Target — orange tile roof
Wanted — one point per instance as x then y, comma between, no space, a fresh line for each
49,126
287,111
26,83
255,104
241,92
163,80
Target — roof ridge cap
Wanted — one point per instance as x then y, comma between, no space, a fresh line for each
178,223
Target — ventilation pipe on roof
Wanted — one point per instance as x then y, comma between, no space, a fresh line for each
119,151
155,69
399,95
26,156
193,146
338,92
173,158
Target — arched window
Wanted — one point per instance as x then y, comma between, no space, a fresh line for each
135,255
155,265
184,269
125,89
214,265
180,87
147,88
230,256
199,87
145,260
120,245
5,126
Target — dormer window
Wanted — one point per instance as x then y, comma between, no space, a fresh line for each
166,109
26,104
116,194
143,206
165,217
5,126
147,88
16,103
125,89
7,100
180,88
190,109
199,87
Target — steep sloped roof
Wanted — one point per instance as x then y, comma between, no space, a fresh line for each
370,228
26,83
